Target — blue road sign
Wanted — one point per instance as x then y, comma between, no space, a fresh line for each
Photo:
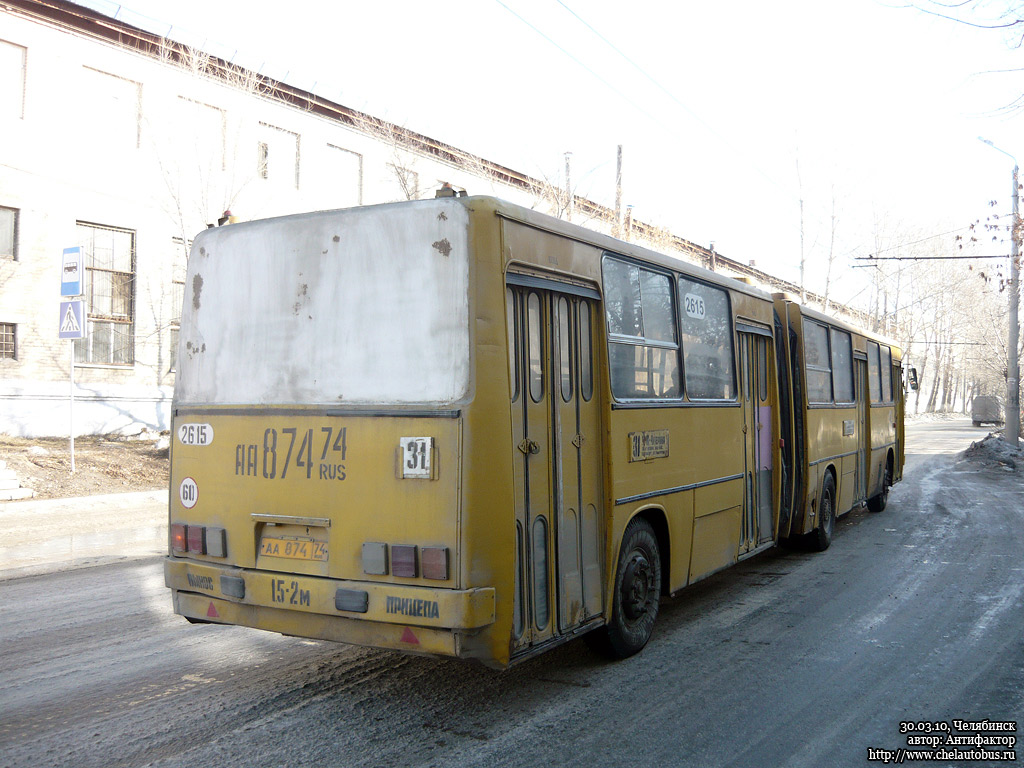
72,320
71,272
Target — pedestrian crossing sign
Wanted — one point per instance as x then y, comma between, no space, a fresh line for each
72,320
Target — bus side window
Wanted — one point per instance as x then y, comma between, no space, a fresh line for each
706,323
817,362
762,368
842,366
564,349
874,374
643,353
885,368
513,343
586,360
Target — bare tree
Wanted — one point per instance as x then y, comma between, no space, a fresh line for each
1006,17
204,162
402,154
831,247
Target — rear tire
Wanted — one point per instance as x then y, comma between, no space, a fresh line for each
877,503
637,590
821,537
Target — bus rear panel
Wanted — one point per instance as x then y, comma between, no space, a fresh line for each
315,470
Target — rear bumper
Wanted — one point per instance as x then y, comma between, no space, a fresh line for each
380,615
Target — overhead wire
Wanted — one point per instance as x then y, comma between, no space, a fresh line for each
657,84
817,217
711,129
581,64
658,121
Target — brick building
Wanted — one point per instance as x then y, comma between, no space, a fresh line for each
127,144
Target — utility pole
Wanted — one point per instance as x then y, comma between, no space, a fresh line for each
616,232
568,189
800,184
1012,429
1013,364
803,291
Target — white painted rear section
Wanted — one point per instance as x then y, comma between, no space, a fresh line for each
360,306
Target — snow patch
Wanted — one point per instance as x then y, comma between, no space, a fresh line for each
993,450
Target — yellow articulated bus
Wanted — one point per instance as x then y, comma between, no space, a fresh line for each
844,440
462,428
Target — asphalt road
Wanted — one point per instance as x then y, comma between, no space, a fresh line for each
789,659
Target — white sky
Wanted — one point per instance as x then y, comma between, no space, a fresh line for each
714,102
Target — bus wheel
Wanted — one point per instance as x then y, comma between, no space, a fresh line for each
877,503
821,537
637,591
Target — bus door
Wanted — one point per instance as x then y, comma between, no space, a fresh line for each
900,397
556,445
863,436
757,401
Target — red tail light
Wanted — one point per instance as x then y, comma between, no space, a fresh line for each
197,539
179,540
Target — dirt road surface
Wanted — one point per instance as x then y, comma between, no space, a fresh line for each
103,464
789,659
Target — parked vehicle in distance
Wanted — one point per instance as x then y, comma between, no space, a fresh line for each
986,409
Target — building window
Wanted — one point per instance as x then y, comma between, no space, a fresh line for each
8,341
262,159
342,173
108,255
179,265
12,80
9,233
201,133
119,103
277,155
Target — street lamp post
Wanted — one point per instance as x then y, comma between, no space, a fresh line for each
1012,431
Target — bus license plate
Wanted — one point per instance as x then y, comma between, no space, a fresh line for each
294,549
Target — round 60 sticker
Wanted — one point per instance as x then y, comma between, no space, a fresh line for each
188,492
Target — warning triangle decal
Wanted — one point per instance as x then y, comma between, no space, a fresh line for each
211,612
409,637
70,322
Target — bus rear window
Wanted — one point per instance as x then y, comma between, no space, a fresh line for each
364,305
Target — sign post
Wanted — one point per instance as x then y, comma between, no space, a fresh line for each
71,324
